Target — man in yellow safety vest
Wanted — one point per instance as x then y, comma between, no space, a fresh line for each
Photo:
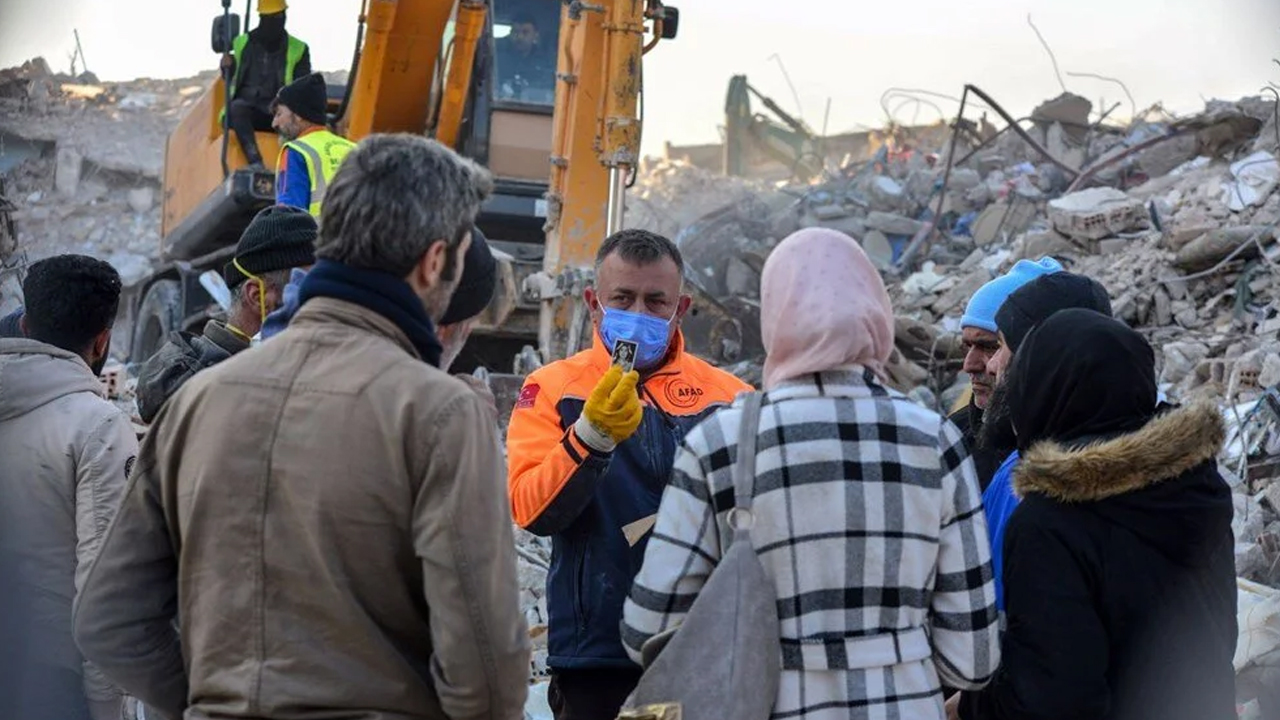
312,154
261,62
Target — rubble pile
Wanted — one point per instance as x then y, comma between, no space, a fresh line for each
82,161
1176,217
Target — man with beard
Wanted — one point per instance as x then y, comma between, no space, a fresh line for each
311,153
277,240
1022,311
261,62
65,453
327,510
978,332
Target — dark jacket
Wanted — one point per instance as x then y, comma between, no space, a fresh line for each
987,461
583,499
1119,575
180,358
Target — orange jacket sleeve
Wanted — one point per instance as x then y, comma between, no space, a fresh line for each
551,473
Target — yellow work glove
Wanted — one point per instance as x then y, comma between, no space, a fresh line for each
613,411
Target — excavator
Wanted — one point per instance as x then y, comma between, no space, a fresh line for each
562,139
751,136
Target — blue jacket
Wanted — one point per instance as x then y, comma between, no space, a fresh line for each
293,184
583,499
279,318
999,502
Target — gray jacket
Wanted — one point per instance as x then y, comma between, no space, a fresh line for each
65,453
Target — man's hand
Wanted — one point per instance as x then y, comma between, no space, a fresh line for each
613,412
227,65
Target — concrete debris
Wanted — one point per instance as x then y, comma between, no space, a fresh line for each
1253,180
1096,213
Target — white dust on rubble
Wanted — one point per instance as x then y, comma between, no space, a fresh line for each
82,163
1182,235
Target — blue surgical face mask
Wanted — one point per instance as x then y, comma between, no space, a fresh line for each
651,335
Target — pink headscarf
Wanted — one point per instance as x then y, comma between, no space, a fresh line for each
823,306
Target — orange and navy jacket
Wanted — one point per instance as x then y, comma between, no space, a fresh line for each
582,498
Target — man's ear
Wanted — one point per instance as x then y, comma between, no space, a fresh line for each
102,343
22,324
592,300
429,270
682,307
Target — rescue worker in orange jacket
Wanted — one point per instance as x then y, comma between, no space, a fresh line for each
590,449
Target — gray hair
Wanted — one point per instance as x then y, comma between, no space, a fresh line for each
393,197
273,279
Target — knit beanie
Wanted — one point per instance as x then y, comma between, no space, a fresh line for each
307,97
476,286
982,307
1034,302
279,238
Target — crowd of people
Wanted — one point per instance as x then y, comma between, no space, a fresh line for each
318,521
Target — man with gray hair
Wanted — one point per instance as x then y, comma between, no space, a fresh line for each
327,509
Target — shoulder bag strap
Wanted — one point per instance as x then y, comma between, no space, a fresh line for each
744,470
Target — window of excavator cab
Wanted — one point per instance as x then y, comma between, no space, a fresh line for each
526,34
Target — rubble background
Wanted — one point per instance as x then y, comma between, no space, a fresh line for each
1177,217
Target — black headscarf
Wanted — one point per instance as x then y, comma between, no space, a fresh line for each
1030,304
1081,375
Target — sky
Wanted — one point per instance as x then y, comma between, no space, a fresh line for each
839,53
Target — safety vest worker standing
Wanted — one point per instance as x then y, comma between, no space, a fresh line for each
310,158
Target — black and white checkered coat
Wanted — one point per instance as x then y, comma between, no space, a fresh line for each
869,518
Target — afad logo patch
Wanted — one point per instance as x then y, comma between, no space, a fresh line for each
528,394
682,395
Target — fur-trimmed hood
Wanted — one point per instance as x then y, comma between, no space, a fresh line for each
1159,482
1164,448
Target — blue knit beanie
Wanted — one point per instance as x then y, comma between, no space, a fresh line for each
981,311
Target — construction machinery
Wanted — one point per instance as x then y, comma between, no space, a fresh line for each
751,137
561,136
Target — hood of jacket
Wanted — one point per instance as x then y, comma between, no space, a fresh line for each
1160,481
33,374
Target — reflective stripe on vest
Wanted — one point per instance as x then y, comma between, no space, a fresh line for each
323,152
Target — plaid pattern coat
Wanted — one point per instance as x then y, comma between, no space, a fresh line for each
869,518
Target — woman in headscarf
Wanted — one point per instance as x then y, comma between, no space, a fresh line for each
1119,577
867,514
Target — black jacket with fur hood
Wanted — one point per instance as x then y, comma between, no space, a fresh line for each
1119,566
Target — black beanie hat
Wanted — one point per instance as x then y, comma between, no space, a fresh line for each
476,286
1034,302
279,238
307,97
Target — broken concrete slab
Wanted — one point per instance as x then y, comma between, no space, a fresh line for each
892,223
1097,213
1209,249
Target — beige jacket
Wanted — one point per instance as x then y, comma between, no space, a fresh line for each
326,516
65,453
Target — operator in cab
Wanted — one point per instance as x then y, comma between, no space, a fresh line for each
526,68
312,153
590,447
261,62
